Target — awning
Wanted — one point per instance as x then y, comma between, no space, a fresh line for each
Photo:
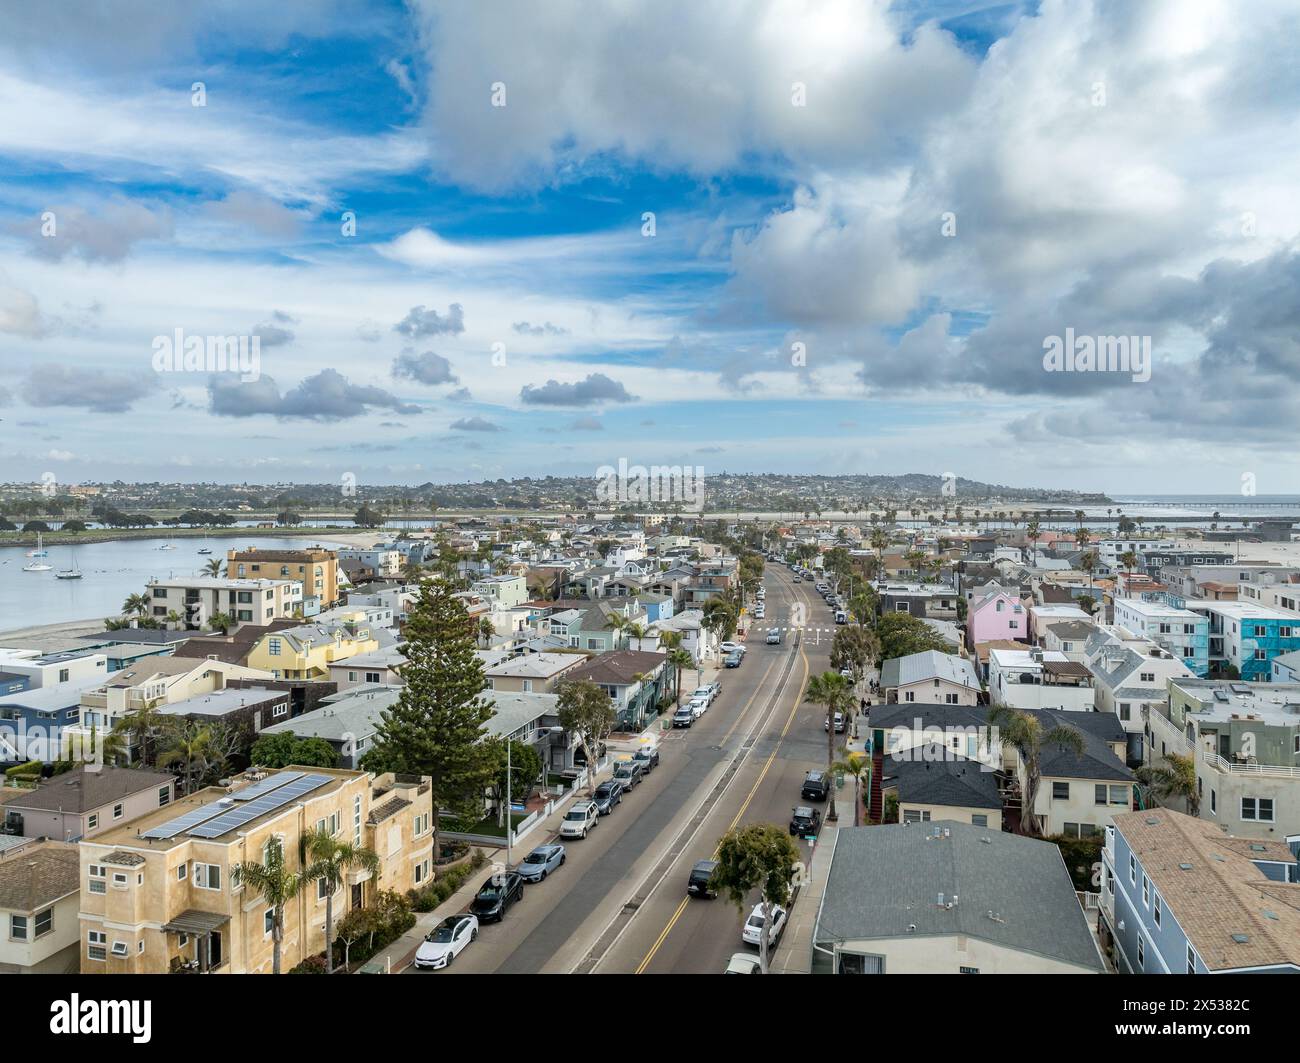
196,922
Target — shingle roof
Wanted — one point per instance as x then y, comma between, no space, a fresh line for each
85,788
933,775
619,667
1222,893
36,877
1012,891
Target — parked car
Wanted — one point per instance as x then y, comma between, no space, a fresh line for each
841,617
541,862
683,717
648,757
744,963
579,820
698,706
816,786
629,772
839,723
446,941
732,647
797,579
774,637
697,885
732,661
709,690
753,932
497,894
805,819
608,794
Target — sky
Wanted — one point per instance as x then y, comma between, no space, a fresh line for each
508,239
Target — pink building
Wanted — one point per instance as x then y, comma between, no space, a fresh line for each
999,616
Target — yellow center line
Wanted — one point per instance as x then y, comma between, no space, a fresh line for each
794,709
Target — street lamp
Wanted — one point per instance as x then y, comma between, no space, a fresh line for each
510,825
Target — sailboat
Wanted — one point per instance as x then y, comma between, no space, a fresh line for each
69,573
35,564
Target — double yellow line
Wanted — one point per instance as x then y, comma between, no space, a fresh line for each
794,708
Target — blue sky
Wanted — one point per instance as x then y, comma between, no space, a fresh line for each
867,219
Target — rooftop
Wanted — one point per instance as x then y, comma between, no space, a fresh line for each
929,664
85,788
39,875
1221,700
934,775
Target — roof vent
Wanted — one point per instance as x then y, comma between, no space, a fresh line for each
1184,867
1241,939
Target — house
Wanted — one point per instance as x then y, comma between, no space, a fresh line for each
1068,637
377,667
347,720
657,606
234,647
697,640
1039,679
935,783
1246,636
1179,896
921,600
317,569
46,669
1245,741
34,723
997,617
504,592
534,719
383,562
1285,668
637,682
1183,633
197,599
1042,615
530,673
86,801
931,678
249,707
1130,676
307,651
40,891
949,898
983,649
162,893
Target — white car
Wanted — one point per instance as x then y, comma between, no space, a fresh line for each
698,706
733,647
579,819
446,941
708,693
744,963
753,931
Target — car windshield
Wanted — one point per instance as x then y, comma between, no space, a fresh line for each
488,894
603,790
755,920
577,814
441,935
535,858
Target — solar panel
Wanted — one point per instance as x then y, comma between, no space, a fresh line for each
190,819
259,806
267,785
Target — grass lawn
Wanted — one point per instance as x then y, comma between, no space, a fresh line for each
487,826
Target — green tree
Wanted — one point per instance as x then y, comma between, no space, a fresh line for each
854,647
900,634
681,659
437,725
585,710
760,857
1176,778
281,750
331,859
525,765
187,745
836,693
276,885
1024,733
137,604
212,567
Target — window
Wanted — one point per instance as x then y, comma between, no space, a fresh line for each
950,699
1141,953
1148,677
979,821
421,871
1110,795
164,795
1132,869
1146,891
268,922
1124,712
117,811
1155,909
1191,960
180,872
92,821
352,677
372,677
909,695
280,710
207,876
1060,791
18,927
915,815
119,878
1257,809
273,647
119,948
95,942
322,889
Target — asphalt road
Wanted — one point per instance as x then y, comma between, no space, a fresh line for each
613,906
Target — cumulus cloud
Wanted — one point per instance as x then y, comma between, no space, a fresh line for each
20,313
424,368
327,396
421,322
260,213
594,389
475,424
86,389
107,235
274,333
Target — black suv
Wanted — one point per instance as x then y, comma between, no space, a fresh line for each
805,820
698,884
498,894
608,794
816,787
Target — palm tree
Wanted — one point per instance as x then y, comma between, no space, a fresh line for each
277,885
221,622
1033,534
1024,732
836,693
190,744
1177,780
1129,560
137,604
212,567
137,729
681,660
331,859
1088,562
633,630
856,764
486,630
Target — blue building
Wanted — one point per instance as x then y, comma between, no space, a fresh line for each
1248,636
32,721
1178,896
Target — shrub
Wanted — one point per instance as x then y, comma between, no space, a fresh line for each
311,965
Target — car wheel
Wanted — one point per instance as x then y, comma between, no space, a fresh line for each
563,857
543,879
451,958
473,935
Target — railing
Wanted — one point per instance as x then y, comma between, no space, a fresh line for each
1178,743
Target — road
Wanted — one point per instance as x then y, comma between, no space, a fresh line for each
615,904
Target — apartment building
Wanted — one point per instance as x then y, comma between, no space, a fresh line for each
164,894
317,569
384,561
1245,739
1247,636
1184,633
1178,896
197,599
307,651
1130,676
504,592
1039,679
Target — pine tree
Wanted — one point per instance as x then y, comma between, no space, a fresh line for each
436,726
